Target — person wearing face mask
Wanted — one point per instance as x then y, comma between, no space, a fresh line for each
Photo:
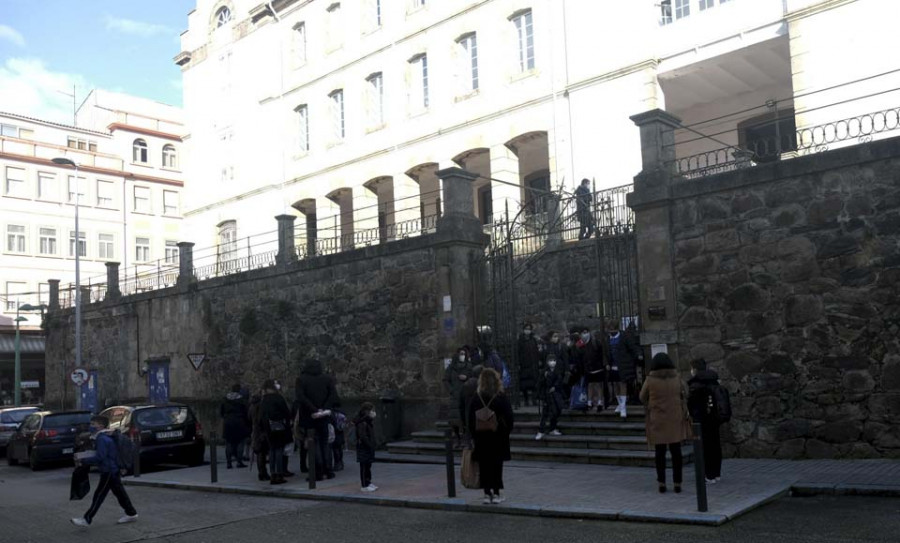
703,403
107,462
275,416
592,363
622,359
550,388
555,346
529,360
365,445
455,377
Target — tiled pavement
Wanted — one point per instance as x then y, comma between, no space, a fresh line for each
561,490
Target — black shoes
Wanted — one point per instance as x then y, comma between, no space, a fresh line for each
288,473
264,476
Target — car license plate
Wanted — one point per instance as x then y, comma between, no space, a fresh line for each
67,451
169,435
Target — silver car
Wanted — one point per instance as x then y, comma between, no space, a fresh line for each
10,419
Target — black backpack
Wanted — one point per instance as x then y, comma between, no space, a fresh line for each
723,403
124,451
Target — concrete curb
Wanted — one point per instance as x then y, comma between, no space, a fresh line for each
451,504
806,490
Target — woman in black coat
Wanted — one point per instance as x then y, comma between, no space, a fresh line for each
529,360
491,446
235,426
275,417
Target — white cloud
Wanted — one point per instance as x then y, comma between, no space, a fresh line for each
11,34
135,28
28,88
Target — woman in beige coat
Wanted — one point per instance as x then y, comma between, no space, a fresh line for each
668,421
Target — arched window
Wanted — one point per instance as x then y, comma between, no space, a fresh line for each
139,151
223,16
169,157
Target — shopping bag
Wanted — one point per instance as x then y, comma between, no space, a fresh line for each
469,473
81,484
579,396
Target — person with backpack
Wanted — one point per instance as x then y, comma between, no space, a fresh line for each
708,409
491,417
365,445
109,461
668,420
235,425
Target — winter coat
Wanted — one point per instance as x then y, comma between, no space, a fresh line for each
583,199
258,437
492,445
623,352
591,360
529,360
315,390
365,438
493,361
107,457
550,388
234,412
665,396
559,351
455,385
701,388
274,408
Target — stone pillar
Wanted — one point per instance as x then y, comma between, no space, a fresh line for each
652,204
365,216
86,294
54,294
287,252
112,281
457,200
185,263
505,167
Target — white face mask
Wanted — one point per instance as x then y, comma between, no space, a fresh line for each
277,386
372,414
462,358
551,364
526,332
586,337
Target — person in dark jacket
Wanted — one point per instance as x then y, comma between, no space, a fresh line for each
491,447
235,426
107,462
623,356
490,358
664,396
702,404
555,345
529,362
365,445
455,376
550,387
258,439
592,362
316,395
583,209
275,416
470,388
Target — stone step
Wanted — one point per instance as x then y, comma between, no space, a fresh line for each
574,441
642,458
579,428
635,414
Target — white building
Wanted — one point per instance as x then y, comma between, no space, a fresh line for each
342,111
129,187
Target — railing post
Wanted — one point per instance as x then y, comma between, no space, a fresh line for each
451,471
185,263
286,251
700,469
112,281
54,294
213,459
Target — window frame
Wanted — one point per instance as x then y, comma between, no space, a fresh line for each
299,41
681,9
171,251
54,196
140,248
171,210
169,157
12,297
22,190
468,65
375,100
16,241
149,199
106,248
302,112
82,244
334,28
223,17
139,147
111,199
81,194
523,26
52,241
338,119
419,93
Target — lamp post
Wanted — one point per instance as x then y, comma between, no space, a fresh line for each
18,382
69,162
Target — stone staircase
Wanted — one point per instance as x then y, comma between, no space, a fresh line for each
588,438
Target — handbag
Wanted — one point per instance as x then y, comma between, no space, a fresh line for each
579,396
469,474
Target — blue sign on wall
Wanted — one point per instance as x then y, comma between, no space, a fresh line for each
159,381
89,392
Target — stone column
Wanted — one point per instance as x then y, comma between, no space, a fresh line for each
651,202
365,216
54,294
457,200
287,252
505,167
86,294
112,281
185,263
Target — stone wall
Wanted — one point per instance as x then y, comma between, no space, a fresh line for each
788,283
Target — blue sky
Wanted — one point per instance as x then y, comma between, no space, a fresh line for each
119,45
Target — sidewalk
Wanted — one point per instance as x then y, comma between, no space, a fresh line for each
564,490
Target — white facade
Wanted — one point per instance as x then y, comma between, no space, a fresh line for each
129,203
341,111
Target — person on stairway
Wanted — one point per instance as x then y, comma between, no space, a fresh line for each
623,356
550,386
455,377
529,362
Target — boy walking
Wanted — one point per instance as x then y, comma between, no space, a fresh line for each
107,462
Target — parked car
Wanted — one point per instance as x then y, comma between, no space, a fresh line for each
168,433
10,419
45,437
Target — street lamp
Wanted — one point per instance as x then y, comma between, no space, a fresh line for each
18,383
69,162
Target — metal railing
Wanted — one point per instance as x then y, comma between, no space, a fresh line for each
782,146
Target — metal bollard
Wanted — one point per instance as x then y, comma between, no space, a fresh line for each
311,460
137,456
213,459
451,471
700,469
